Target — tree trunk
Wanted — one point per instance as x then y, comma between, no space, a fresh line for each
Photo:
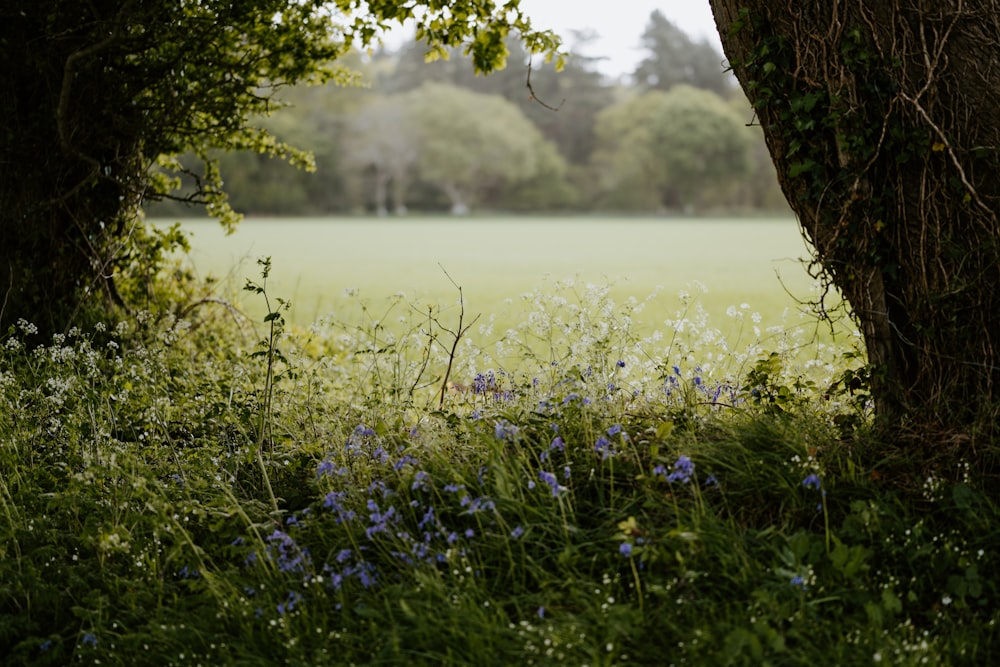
883,120
62,190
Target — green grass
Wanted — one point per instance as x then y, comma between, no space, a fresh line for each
498,259
187,493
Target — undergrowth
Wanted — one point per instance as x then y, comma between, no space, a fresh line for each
172,492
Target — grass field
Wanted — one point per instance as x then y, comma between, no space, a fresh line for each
181,492
498,259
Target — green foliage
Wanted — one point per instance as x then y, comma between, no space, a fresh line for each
111,95
682,149
588,506
508,148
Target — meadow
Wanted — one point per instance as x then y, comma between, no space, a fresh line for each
498,259
374,486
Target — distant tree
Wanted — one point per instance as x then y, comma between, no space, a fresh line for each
579,91
382,138
472,144
674,59
95,94
678,150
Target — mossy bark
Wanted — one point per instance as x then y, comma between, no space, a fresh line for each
883,119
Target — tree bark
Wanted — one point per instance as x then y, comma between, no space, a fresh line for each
883,120
61,195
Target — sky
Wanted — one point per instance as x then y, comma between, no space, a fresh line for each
620,24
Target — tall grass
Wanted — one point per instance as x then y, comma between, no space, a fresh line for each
583,495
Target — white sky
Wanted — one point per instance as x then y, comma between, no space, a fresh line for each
620,24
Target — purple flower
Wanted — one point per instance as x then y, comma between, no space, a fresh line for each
620,364
812,482
406,460
289,603
89,639
604,448
504,430
420,481
683,470
615,430
625,549
517,532
551,480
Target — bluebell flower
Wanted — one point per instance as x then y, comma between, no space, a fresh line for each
89,639
625,549
683,470
454,488
324,468
660,470
45,645
185,573
517,532
504,430
551,480
406,460
812,482
711,481
620,364
798,581
470,533
615,430
366,574
604,448
541,612
479,504
420,481
566,472
289,603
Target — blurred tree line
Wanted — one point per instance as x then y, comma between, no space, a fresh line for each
422,135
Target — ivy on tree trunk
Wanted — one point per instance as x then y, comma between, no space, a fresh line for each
883,120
